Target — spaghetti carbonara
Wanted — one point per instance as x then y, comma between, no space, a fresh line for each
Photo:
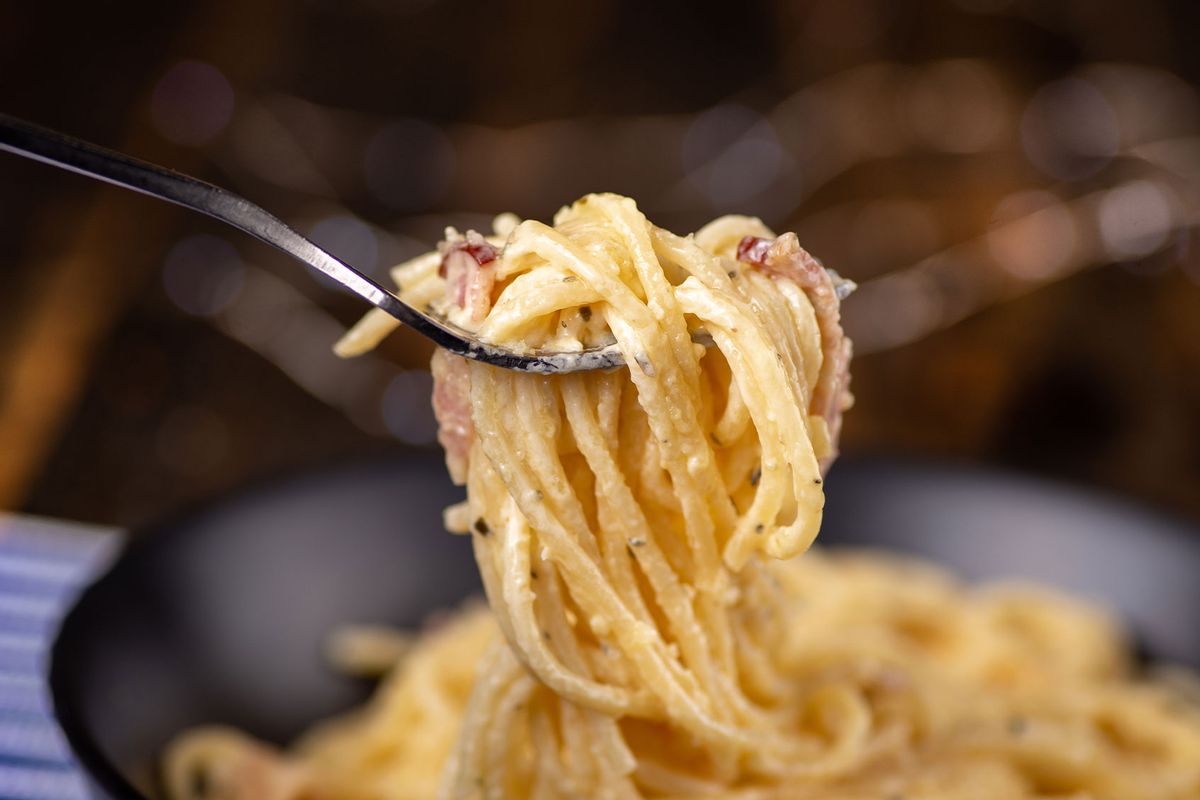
648,631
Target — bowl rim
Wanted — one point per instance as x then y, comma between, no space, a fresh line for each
95,767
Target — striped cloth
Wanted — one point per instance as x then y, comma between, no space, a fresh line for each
43,565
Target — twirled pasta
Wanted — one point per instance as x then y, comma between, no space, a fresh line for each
649,633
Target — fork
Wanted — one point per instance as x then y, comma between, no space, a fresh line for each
69,153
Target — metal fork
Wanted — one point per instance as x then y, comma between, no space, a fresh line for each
67,152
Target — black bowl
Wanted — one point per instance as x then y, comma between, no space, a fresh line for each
219,616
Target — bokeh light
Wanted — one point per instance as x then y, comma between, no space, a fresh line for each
890,233
894,310
1034,235
1150,104
1135,219
192,103
959,106
731,153
203,274
409,164
1069,130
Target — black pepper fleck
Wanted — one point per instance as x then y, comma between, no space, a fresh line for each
481,527
758,528
586,313
755,476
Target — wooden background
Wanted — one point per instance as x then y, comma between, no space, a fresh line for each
1014,184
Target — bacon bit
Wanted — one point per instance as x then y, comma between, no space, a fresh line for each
468,266
482,252
479,249
785,258
452,407
753,250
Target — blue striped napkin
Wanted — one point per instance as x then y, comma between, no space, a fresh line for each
43,565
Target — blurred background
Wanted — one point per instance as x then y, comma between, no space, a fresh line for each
1015,185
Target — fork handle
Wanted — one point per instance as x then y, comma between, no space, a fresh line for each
59,150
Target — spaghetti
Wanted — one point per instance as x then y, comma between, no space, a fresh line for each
648,633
